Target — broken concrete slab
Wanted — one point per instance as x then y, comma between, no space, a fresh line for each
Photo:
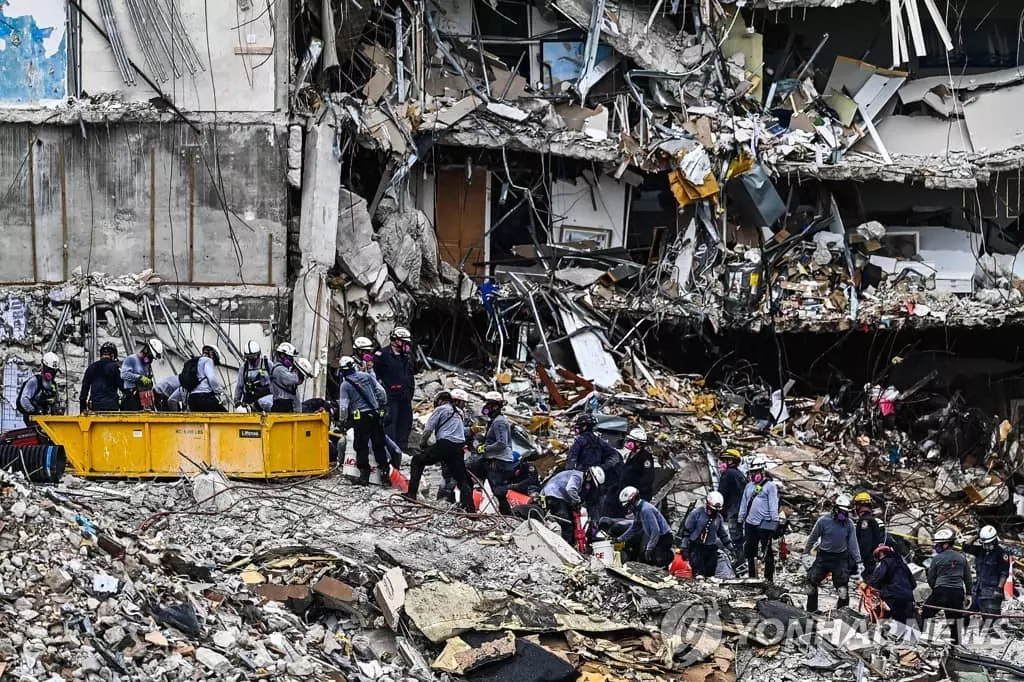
358,253
389,593
441,610
459,658
534,538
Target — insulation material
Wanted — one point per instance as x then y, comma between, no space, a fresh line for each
595,363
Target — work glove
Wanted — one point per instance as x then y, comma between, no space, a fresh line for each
481,449
968,601
145,382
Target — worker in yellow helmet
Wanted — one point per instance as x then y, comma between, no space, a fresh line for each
869,532
731,483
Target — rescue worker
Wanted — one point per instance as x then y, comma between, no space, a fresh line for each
393,367
285,379
253,380
869,531
731,484
949,576
568,491
893,579
650,525
992,564
447,424
362,401
836,536
364,353
704,533
169,396
637,469
759,516
39,395
205,397
137,373
525,478
589,450
495,459
101,385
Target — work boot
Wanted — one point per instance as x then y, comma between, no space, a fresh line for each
385,476
812,602
364,478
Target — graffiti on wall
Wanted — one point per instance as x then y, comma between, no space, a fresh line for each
33,51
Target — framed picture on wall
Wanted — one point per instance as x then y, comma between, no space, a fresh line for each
600,236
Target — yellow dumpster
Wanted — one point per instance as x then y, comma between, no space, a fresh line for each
139,444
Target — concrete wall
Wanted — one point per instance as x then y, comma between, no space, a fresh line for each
132,196
33,51
572,205
245,43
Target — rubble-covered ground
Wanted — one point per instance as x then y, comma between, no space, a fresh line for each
318,578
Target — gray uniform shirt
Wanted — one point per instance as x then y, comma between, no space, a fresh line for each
498,442
835,536
284,384
950,569
565,485
370,395
447,421
133,369
209,382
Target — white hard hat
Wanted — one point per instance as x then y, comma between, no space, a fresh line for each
252,347
494,397
209,348
597,473
401,333
305,365
346,364
285,348
943,535
51,360
715,500
156,347
843,502
758,463
362,343
628,494
637,434
988,535
782,516
459,394
242,409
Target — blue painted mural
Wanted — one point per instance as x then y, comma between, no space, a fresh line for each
33,51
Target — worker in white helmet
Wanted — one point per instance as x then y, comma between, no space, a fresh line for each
567,492
759,516
137,374
836,536
992,564
495,459
39,394
364,352
395,368
253,380
285,379
447,427
704,533
949,576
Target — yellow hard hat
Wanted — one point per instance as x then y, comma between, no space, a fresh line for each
732,452
862,497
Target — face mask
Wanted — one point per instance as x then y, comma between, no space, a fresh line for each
146,359
367,357
254,360
757,478
406,347
486,411
722,466
939,548
287,362
48,376
631,446
841,517
712,512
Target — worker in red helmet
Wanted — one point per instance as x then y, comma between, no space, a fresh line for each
893,579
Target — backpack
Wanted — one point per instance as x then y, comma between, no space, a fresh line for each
189,377
21,392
